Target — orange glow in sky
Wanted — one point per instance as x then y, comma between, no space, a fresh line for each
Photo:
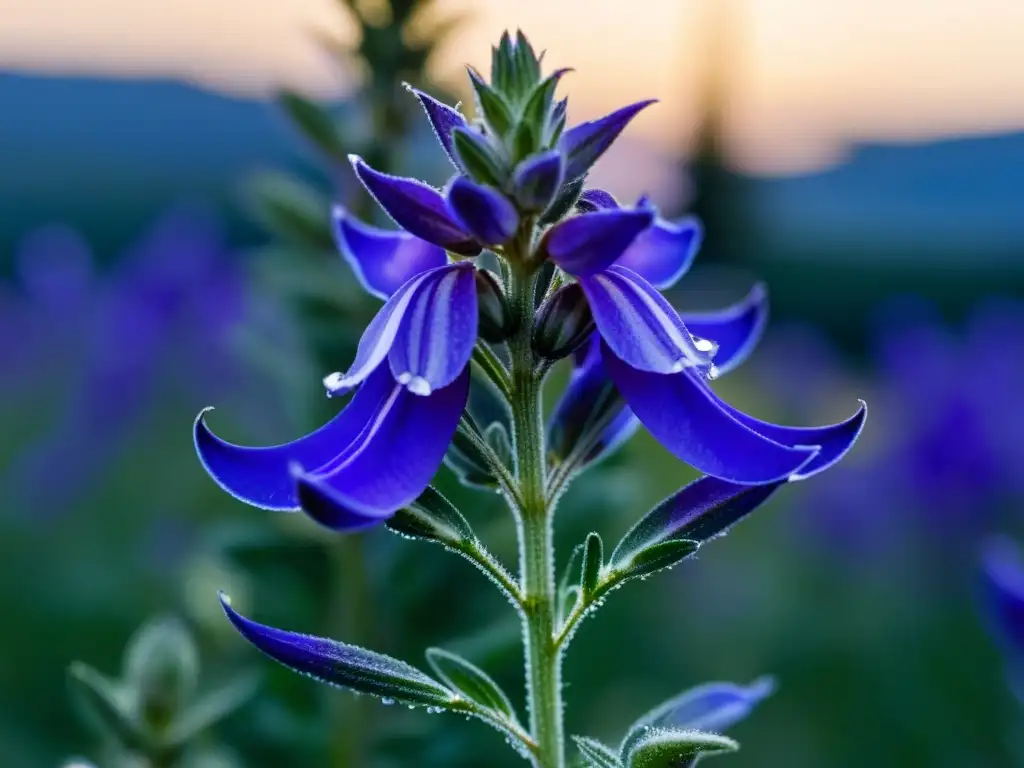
803,77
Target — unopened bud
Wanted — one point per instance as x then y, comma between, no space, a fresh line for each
564,322
497,322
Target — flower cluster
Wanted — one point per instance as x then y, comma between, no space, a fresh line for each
513,266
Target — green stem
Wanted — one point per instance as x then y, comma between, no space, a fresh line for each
536,548
351,723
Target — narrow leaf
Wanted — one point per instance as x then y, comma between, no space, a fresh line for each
593,559
104,703
347,666
315,123
492,106
291,210
646,561
433,518
595,754
674,748
568,584
212,707
471,681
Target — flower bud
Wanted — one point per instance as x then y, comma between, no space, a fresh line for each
497,322
564,322
162,668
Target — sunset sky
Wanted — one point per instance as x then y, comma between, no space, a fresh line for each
804,76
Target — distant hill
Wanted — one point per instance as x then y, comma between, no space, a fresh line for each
962,196
107,155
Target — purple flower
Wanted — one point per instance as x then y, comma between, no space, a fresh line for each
646,362
1002,594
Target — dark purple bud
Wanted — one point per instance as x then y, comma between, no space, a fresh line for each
416,207
563,323
537,180
483,211
596,200
591,242
443,119
497,322
585,143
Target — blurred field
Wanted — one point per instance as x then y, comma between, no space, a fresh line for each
136,287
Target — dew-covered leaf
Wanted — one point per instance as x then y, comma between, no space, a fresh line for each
432,517
595,754
672,748
471,681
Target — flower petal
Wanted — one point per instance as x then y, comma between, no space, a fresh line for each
484,212
596,200
416,207
664,253
262,476
686,417
591,242
383,260
537,179
436,337
590,409
390,463
1003,592
833,440
639,325
379,335
334,663
443,119
583,144
736,329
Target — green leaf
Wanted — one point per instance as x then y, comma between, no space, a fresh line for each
650,559
433,518
162,670
497,437
212,707
593,560
315,123
568,585
525,141
291,210
538,106
106,705
471,681
477,158
526,64
502,64
674,748
491,106
595,754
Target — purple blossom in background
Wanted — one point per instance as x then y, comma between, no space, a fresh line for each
947,461
105,346
1001,596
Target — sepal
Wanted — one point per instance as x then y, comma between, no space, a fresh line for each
493,108
676,748
478,158
564,202
583,144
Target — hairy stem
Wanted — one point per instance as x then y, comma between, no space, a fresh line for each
536,548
